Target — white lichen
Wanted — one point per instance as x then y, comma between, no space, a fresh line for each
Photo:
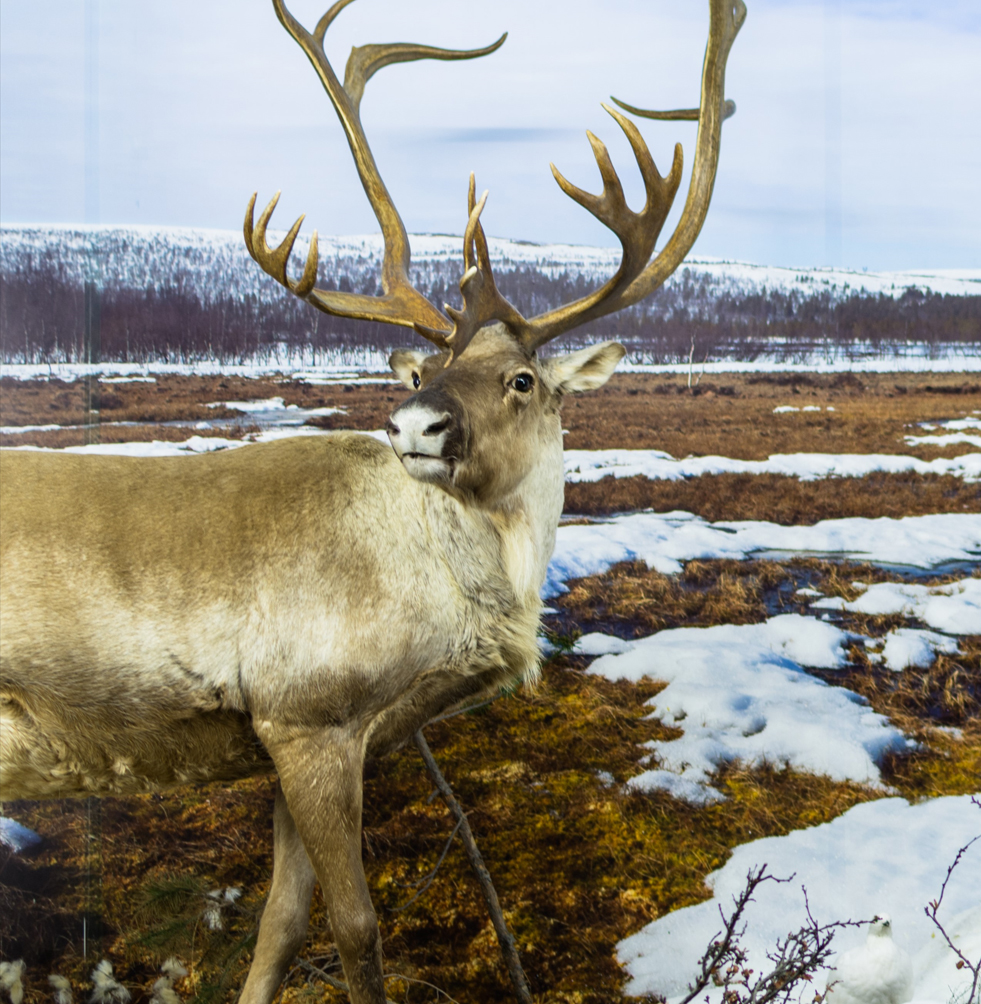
12,980
62,989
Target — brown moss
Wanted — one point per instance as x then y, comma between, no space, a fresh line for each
777,498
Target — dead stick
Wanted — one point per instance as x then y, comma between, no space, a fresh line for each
521,989
331,981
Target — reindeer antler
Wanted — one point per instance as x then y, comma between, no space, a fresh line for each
482,301
637,276
401,302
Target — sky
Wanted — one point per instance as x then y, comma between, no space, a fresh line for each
856,140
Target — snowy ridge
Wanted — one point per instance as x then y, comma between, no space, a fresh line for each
148,255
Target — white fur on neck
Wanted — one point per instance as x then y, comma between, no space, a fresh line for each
527,523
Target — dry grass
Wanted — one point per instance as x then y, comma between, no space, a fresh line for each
176,399
736,419
578,863
639,411
777,498
630,599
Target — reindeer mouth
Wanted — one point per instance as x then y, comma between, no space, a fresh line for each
429,467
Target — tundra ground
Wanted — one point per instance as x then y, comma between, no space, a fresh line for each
579,861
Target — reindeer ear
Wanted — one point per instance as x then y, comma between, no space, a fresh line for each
586,369
407,366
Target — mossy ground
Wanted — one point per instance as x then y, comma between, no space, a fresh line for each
578,862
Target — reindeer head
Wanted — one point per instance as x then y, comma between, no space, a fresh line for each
485,401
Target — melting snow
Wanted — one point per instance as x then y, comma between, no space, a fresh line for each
664,540
273,411
883,856
954,608
592,465
739,692
15,836
950,439
906,647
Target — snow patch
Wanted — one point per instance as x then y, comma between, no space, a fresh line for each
882,856
739,693
914,647
954,608
17,837
597,643
950,439
593,465
664,540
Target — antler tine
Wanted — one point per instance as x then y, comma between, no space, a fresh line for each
637,276
637,231
401,303
482,301
274,261
678,115
726,17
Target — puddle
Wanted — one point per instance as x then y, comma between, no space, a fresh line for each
268,412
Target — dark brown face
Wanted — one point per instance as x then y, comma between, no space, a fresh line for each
473,427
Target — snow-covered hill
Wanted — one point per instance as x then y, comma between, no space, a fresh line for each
140,256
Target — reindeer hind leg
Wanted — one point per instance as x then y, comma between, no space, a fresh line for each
283,928
321,776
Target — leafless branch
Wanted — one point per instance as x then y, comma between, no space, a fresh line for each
462,711
518,979
331,981
423,983
793,961
963,962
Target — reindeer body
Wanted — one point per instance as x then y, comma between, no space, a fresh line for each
184,609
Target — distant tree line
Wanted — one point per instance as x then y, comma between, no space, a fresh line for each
183,318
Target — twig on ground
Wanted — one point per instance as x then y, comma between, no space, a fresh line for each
427,880
336,984
462,711
331,981
794,960
934,907
505,940
423,983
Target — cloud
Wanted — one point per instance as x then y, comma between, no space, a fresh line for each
201,104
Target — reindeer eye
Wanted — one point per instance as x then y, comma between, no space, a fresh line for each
523,382
416,381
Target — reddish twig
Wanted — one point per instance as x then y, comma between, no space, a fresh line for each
934,907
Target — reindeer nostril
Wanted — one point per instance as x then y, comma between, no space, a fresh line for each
437,427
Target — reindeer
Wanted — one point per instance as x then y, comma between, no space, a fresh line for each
300,606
